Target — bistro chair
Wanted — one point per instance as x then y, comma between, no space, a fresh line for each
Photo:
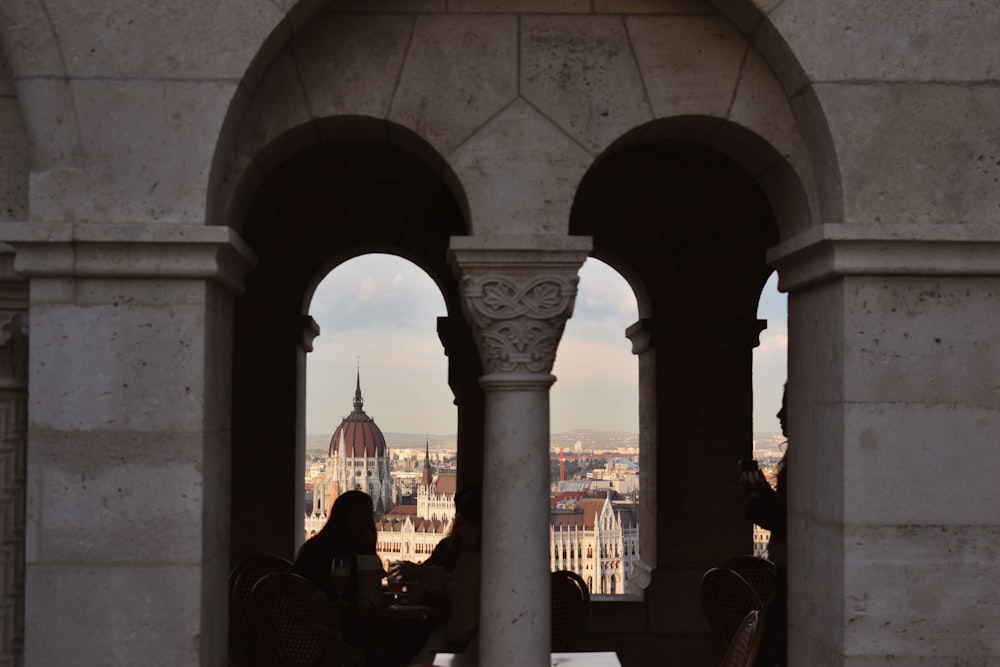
294,622
242,578
570,606
726,599
742,650
759,572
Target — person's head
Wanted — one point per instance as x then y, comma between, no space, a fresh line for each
469,504
783,412
351,525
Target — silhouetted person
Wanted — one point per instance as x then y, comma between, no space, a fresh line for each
461,559
349,532
768,508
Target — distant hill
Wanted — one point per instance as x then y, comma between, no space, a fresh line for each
587,437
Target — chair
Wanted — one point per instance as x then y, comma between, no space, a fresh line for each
570,606
242,579
294,622
758,572
742,650
726,599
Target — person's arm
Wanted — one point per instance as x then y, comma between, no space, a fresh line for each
767,508
463,621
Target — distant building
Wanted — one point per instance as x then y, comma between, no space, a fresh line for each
598,540
410,532
357,459
619,474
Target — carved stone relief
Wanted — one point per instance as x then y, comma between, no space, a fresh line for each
518,325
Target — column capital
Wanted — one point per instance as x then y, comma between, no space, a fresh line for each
517,293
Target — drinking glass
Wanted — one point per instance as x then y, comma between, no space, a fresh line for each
341,575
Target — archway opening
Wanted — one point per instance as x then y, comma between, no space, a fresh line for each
594,452
379,351
770,370
323,206
688,227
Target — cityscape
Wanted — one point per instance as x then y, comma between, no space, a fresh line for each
594,493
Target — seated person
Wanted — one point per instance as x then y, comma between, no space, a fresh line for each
349,532
461,561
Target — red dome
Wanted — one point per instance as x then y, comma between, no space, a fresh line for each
361,436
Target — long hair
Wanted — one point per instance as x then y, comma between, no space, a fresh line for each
334,532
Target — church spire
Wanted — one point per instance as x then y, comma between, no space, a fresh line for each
428,473
358,402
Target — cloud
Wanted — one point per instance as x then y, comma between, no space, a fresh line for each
376,293
384,310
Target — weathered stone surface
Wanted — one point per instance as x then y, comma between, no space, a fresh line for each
520,174
181,39
520,6
367,6
890,41
459,72
152,340
579,71
167,607
913,331
761,106
690,65
881,435
29,45
653,7
97,502
279,104
154,171
51,125
913,567
349,64
944,169
14,158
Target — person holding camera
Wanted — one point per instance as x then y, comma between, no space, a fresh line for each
768,508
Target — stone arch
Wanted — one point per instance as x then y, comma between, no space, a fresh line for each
675,208
349,195
489,93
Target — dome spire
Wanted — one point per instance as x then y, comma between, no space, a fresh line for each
358,402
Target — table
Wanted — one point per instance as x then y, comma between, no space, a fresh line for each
574,659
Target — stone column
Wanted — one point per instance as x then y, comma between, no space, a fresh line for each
13,401
893,421
464,370
696,405
641,336
128,441
518,293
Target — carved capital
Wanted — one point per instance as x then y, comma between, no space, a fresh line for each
517,293
518,324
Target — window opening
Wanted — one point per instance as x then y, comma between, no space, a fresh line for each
594,444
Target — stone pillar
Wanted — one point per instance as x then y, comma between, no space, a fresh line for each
893,462
518,293
696,422
13,407
464,370
128,441
271,339
641,336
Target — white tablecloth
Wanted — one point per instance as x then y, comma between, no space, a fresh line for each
583,659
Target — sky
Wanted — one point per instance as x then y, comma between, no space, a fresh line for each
379,313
